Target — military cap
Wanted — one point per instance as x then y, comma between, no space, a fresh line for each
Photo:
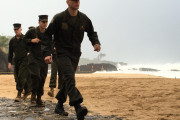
43,17
17,25
31,27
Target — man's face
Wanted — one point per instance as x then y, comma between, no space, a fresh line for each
43,24
18,31
73,4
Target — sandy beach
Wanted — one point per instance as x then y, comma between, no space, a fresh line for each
129,96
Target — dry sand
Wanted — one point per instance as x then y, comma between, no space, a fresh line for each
130,96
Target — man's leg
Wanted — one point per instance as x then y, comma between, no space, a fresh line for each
60,78
35,78
18,82
67,66
22,75
28,83
40,92
14,72
81,111
53,78
61,96
27,86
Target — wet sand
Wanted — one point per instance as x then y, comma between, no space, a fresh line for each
126,96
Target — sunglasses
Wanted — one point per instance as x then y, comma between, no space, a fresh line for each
75,0
16,29
44,21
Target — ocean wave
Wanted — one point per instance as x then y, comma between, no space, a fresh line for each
169,70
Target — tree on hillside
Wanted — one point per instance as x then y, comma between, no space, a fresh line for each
100,56
3,53
3,41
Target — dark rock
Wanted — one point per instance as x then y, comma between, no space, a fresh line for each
10,110
148,69
175,70
96,67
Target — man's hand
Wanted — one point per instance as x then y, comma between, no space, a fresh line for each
35,40
48,59
9,66
97,47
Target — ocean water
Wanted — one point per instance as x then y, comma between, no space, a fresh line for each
169,70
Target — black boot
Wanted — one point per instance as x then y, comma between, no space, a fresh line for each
33,98
39,102
60,110
18,98
80,112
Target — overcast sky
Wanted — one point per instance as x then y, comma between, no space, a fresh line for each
131,31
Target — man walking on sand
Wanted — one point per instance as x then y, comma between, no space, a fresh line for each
38,68
68,28
18,50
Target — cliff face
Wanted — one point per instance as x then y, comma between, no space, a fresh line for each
88,65
85,61
96,67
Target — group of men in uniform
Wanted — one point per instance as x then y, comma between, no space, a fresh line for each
30,70
34,51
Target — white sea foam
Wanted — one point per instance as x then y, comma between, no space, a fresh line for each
168,70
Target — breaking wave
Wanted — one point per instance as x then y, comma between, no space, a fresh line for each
169,70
